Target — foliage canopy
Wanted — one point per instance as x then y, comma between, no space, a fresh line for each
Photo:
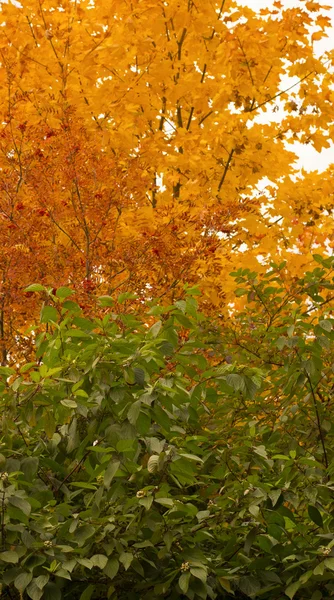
168,456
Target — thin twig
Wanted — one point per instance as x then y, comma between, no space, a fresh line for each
190,117
225,170
180,43
245,57
315,403
205,117
3,531
76,468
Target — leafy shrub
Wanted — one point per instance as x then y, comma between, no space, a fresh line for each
167,456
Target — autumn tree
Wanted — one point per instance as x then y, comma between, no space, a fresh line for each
135,137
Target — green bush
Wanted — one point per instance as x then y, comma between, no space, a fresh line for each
185,459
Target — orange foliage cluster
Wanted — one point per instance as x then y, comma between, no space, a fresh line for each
134,137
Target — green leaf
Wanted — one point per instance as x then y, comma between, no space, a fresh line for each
153,463
83,533
281,457
143,423
63,548
226,585
249,586
83,485
161,417
139,376
251,386
99,560
71,306
28,367
51,592
192,291
69,403
49,314
84,324
154,330
29,467
98,449
184,582
33,561
168,502
126,559
9,556
6,371
315,515
261,451
69,565
146,502
241,292
22,581
166,348
27,539
193,457
125,446
185,322
144,544
162,588
305,577
106,301
236,382
199,573
326,324
317,595
33,591
64,292
290,330
274,496
251,537
85,562
110,472
77,333
329,563
21,504
292,589
126,296
88,592
35,287
63,574
133,412
181,305
318,258
202,515
319,569
280,343
80,394
111,568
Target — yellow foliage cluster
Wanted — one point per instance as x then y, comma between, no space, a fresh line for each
136,138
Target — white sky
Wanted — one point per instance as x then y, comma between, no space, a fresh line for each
309,158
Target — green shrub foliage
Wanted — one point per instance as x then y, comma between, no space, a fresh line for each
172,456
